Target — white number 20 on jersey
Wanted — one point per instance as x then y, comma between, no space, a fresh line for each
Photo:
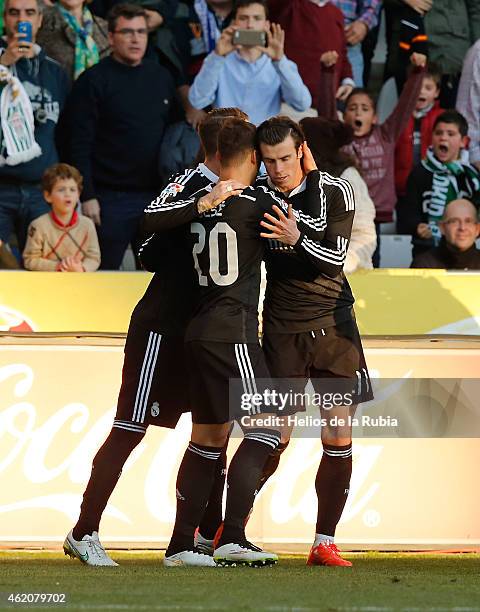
221,228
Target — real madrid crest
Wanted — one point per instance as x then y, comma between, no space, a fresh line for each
155,409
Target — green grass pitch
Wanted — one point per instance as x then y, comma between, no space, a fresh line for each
378,582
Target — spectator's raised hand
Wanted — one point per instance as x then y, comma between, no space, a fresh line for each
275,43
356,32
16,49
419,60
154,20
329,58
91,208
421,6
225,44
343,92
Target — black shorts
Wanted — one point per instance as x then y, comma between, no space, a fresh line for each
154,388
330,353
219,373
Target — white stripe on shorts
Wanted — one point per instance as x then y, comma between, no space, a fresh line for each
129,426
146,377
245,367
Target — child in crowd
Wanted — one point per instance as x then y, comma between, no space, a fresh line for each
62,240
326,139
374,144
444,175
416,137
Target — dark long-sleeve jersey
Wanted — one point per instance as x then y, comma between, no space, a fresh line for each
168,302
306,288
227,252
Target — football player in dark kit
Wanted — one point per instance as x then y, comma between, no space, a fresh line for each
222,338
309,328
153,390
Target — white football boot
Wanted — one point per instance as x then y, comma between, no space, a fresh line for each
243,553
88,550
189,558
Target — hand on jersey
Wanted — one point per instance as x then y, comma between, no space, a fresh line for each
284,229
221,191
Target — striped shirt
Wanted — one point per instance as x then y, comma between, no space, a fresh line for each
307,290
359,10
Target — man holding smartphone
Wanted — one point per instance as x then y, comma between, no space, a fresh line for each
46,85
248,68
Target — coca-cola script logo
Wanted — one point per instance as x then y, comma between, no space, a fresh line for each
12,320
33,445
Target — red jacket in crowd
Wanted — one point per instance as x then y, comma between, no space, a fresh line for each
404,148
310,30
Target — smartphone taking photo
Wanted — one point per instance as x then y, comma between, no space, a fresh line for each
250,38
25,29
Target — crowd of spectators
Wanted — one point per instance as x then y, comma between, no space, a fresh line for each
101,101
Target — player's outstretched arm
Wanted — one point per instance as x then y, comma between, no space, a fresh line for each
166,212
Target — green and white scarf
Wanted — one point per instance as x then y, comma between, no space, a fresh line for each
451,180
17,132
86,50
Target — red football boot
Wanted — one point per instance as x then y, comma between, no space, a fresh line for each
326,554
217,537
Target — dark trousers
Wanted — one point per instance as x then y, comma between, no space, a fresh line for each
120,214
19,206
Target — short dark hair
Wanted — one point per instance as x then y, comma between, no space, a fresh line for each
453,116
128,11
326,139
434,72
273,131
40,6
241,3
236,140
212,124
361,91
58,172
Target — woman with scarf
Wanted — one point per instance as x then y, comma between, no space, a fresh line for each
72,36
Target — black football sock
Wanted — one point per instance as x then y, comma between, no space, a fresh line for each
194,483
271,464
213,515
106,469
243,478
332,486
